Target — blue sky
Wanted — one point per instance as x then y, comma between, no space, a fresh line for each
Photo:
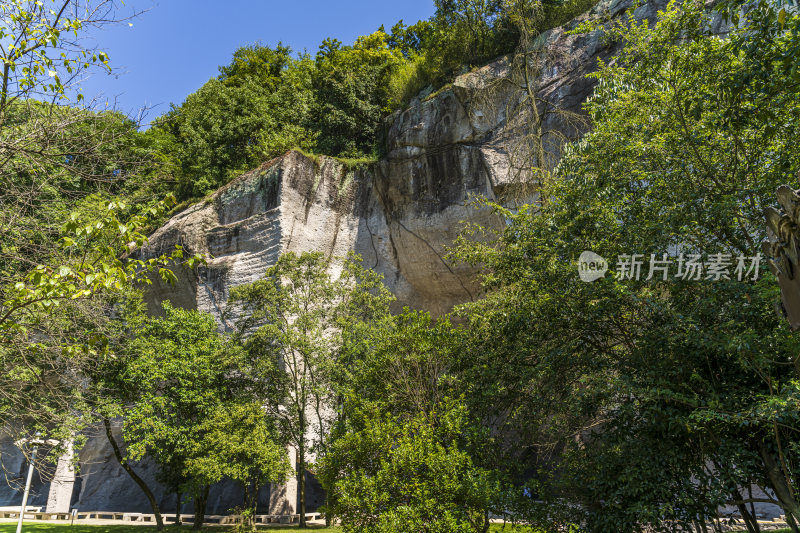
176,46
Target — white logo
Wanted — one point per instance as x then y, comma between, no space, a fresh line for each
690,267
591,267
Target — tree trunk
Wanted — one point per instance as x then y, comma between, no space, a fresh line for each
178,496
537,121
486,522
139,481
750,521
301,482
327,509
4,94
251,502
779,485
752,506
200,501
792,523
749,518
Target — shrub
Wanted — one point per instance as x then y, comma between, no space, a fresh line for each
398,475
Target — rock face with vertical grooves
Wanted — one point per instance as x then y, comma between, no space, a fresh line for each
398,216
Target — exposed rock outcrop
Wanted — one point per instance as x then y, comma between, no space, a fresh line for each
400,214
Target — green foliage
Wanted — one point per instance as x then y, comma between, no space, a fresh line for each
67,155
410,40
629,388
92,262
68,238
394,416
399,474
217,128
240,444
186,404
464,35
351,86
38,57
257,109
51,337
300,328
257,62
560,13
406,368
407,81
174,370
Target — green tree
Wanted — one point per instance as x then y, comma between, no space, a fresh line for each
401,367
180,387
465,33
52,153
52,320
400,375
409,474
257,109
217,130
257,62
64,241
42,52
299,324
410,40
655,400
351,88
241,443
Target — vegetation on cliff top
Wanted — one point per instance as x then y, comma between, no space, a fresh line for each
267,101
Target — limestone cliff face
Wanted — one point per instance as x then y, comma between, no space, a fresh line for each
400,214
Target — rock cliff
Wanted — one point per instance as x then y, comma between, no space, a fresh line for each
472,138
